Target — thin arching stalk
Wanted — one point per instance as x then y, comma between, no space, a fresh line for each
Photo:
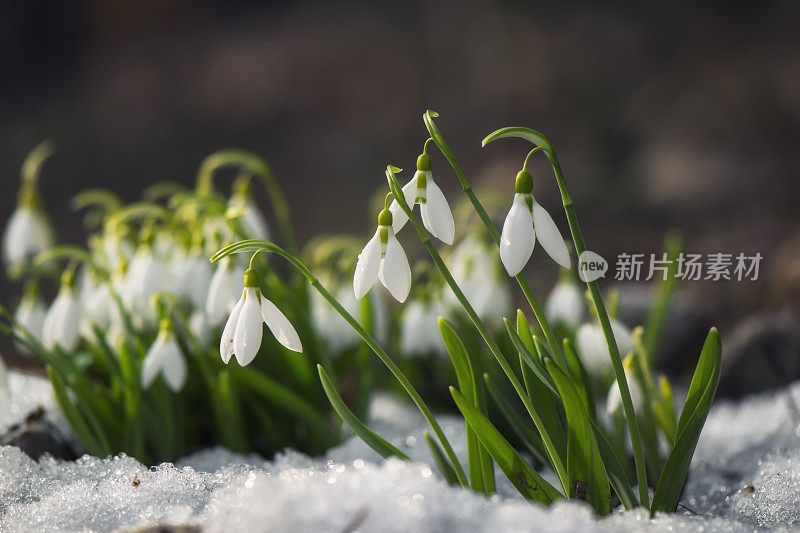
552,341
558,464
594,292
255,245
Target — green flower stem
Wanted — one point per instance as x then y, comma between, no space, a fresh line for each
255,244
552,342
32,165
558,464
260,168
594,291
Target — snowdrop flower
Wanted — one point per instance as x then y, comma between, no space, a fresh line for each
593,349
30,314
251,219
525,220
223,291
193,275
146,275
198,325
28,233
165,358
419,328
244,329
383,258
565,304
476,270
62,322
95,305
335,332
436,214
614,399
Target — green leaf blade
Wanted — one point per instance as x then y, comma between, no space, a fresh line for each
693,417
526,480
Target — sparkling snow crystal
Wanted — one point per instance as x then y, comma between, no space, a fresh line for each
746,474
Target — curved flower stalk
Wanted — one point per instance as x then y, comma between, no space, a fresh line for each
256,245
165,358
552,342
245,327
553,453
256,166
62,322
421,189
525,220
383,258
28,232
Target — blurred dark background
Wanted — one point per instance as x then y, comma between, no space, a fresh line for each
676,115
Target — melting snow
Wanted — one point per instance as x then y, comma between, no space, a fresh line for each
746,475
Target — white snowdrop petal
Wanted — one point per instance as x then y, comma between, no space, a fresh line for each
152,363
565,304
549,236
436,214
399,217
249,329
367,267
395,273
27,234
30,315
518,238
173,366
226,341
280,326
593,350
254,223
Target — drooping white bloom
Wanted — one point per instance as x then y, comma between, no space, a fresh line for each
475,268
192,274
27,234
527,220
614,398
243,331
223,291
30,315
115,248
436,214
593,350
336,334
383,258
62,322
565,304
198,325
146,275
165,358
419,328
251,221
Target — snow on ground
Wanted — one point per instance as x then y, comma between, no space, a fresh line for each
746,475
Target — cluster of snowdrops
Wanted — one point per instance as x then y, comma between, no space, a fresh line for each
141,334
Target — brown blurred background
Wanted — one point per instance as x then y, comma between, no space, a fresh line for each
666,115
